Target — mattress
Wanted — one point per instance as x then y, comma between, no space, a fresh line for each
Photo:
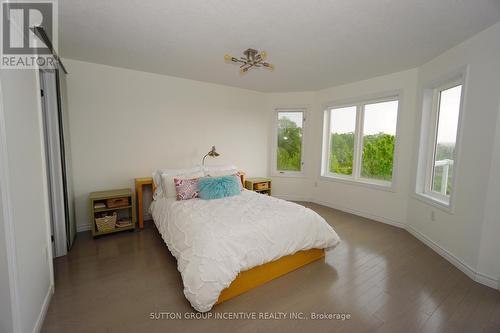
214,240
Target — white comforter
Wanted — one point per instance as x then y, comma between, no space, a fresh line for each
214,240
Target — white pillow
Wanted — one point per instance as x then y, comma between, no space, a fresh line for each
174,172
167,182
221,173
216,168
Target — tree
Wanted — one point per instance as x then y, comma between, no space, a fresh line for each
341,153
377,159
289,145
378,154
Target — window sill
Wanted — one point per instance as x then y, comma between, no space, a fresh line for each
384,186
289,174
443,205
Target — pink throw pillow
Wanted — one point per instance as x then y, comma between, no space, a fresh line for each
186,188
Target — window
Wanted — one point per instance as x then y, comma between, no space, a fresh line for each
360,141
441,132
379,137
342,128
289,142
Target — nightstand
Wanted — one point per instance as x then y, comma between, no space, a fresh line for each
109,206
260,185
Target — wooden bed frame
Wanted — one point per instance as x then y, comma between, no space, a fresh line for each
251,278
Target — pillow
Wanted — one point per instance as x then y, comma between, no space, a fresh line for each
221,173
173,172
186,188
229,172
215,188
167,182
211,168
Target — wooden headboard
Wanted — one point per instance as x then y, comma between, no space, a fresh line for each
146,181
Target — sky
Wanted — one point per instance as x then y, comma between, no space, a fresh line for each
449,108
343,120
382,117
379,117
296,117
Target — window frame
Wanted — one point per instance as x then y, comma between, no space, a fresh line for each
428,141
356,177
274,160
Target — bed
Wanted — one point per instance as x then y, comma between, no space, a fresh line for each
227,246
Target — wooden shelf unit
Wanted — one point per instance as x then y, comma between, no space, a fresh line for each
260,185
102,196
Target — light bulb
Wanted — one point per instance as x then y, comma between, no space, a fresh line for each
263,55
268,65
228,58
243,70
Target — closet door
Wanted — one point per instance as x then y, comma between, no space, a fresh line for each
66,159
53,154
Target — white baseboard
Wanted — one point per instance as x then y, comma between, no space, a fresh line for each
469,271
487,280
43,311
292,198
362,214
82,227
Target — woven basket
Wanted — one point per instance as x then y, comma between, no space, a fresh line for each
261,186
124,223
117,202
106,223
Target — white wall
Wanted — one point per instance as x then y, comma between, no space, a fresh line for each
459,233
126,123
382,205
24,170
489,264
5,306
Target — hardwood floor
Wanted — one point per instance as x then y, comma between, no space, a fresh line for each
383,277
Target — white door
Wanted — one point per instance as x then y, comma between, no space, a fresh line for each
55,177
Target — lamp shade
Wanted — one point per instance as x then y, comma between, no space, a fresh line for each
212,153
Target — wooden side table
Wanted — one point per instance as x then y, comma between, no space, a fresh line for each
98,206
139,184
260,185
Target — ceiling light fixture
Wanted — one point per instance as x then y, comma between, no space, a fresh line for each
252,58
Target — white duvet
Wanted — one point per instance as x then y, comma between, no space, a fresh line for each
214,240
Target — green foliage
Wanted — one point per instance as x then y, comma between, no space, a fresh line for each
289,145
341,153
445,151
378,153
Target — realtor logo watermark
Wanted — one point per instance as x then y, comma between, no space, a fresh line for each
20,47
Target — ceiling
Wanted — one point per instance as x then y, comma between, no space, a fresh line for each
314,44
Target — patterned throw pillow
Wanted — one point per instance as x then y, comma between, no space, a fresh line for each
186,188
